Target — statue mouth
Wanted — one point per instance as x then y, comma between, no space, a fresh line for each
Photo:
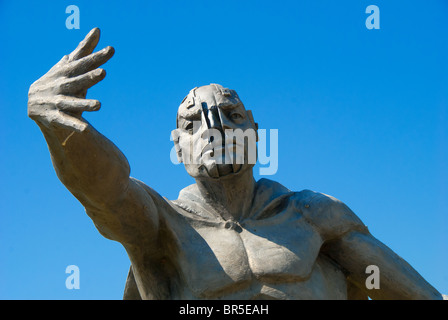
218,170
226,147
212,151
228,169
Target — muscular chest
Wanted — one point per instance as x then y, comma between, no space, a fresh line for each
221,255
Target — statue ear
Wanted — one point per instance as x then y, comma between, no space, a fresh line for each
254,124
176,136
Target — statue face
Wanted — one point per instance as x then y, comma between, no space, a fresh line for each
215,136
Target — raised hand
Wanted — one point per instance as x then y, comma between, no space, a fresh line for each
59,97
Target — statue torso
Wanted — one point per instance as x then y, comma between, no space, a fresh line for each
274,253
276,258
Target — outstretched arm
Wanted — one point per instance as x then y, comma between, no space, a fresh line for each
348,242
87,163
355,251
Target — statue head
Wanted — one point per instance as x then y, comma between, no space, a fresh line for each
215,135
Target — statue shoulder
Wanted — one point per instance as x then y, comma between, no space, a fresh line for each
331,217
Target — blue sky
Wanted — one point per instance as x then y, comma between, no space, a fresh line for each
361,115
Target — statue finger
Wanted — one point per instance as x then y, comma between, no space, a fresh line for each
76,105
58,65
88,63
86,46
82,82
63,120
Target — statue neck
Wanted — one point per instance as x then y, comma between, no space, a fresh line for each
231,196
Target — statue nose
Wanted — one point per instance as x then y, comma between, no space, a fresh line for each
212,117
216,119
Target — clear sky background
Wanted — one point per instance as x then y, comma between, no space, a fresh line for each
361,114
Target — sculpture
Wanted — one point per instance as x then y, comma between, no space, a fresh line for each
227,236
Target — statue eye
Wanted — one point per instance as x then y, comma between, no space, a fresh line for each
189,127
236,116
